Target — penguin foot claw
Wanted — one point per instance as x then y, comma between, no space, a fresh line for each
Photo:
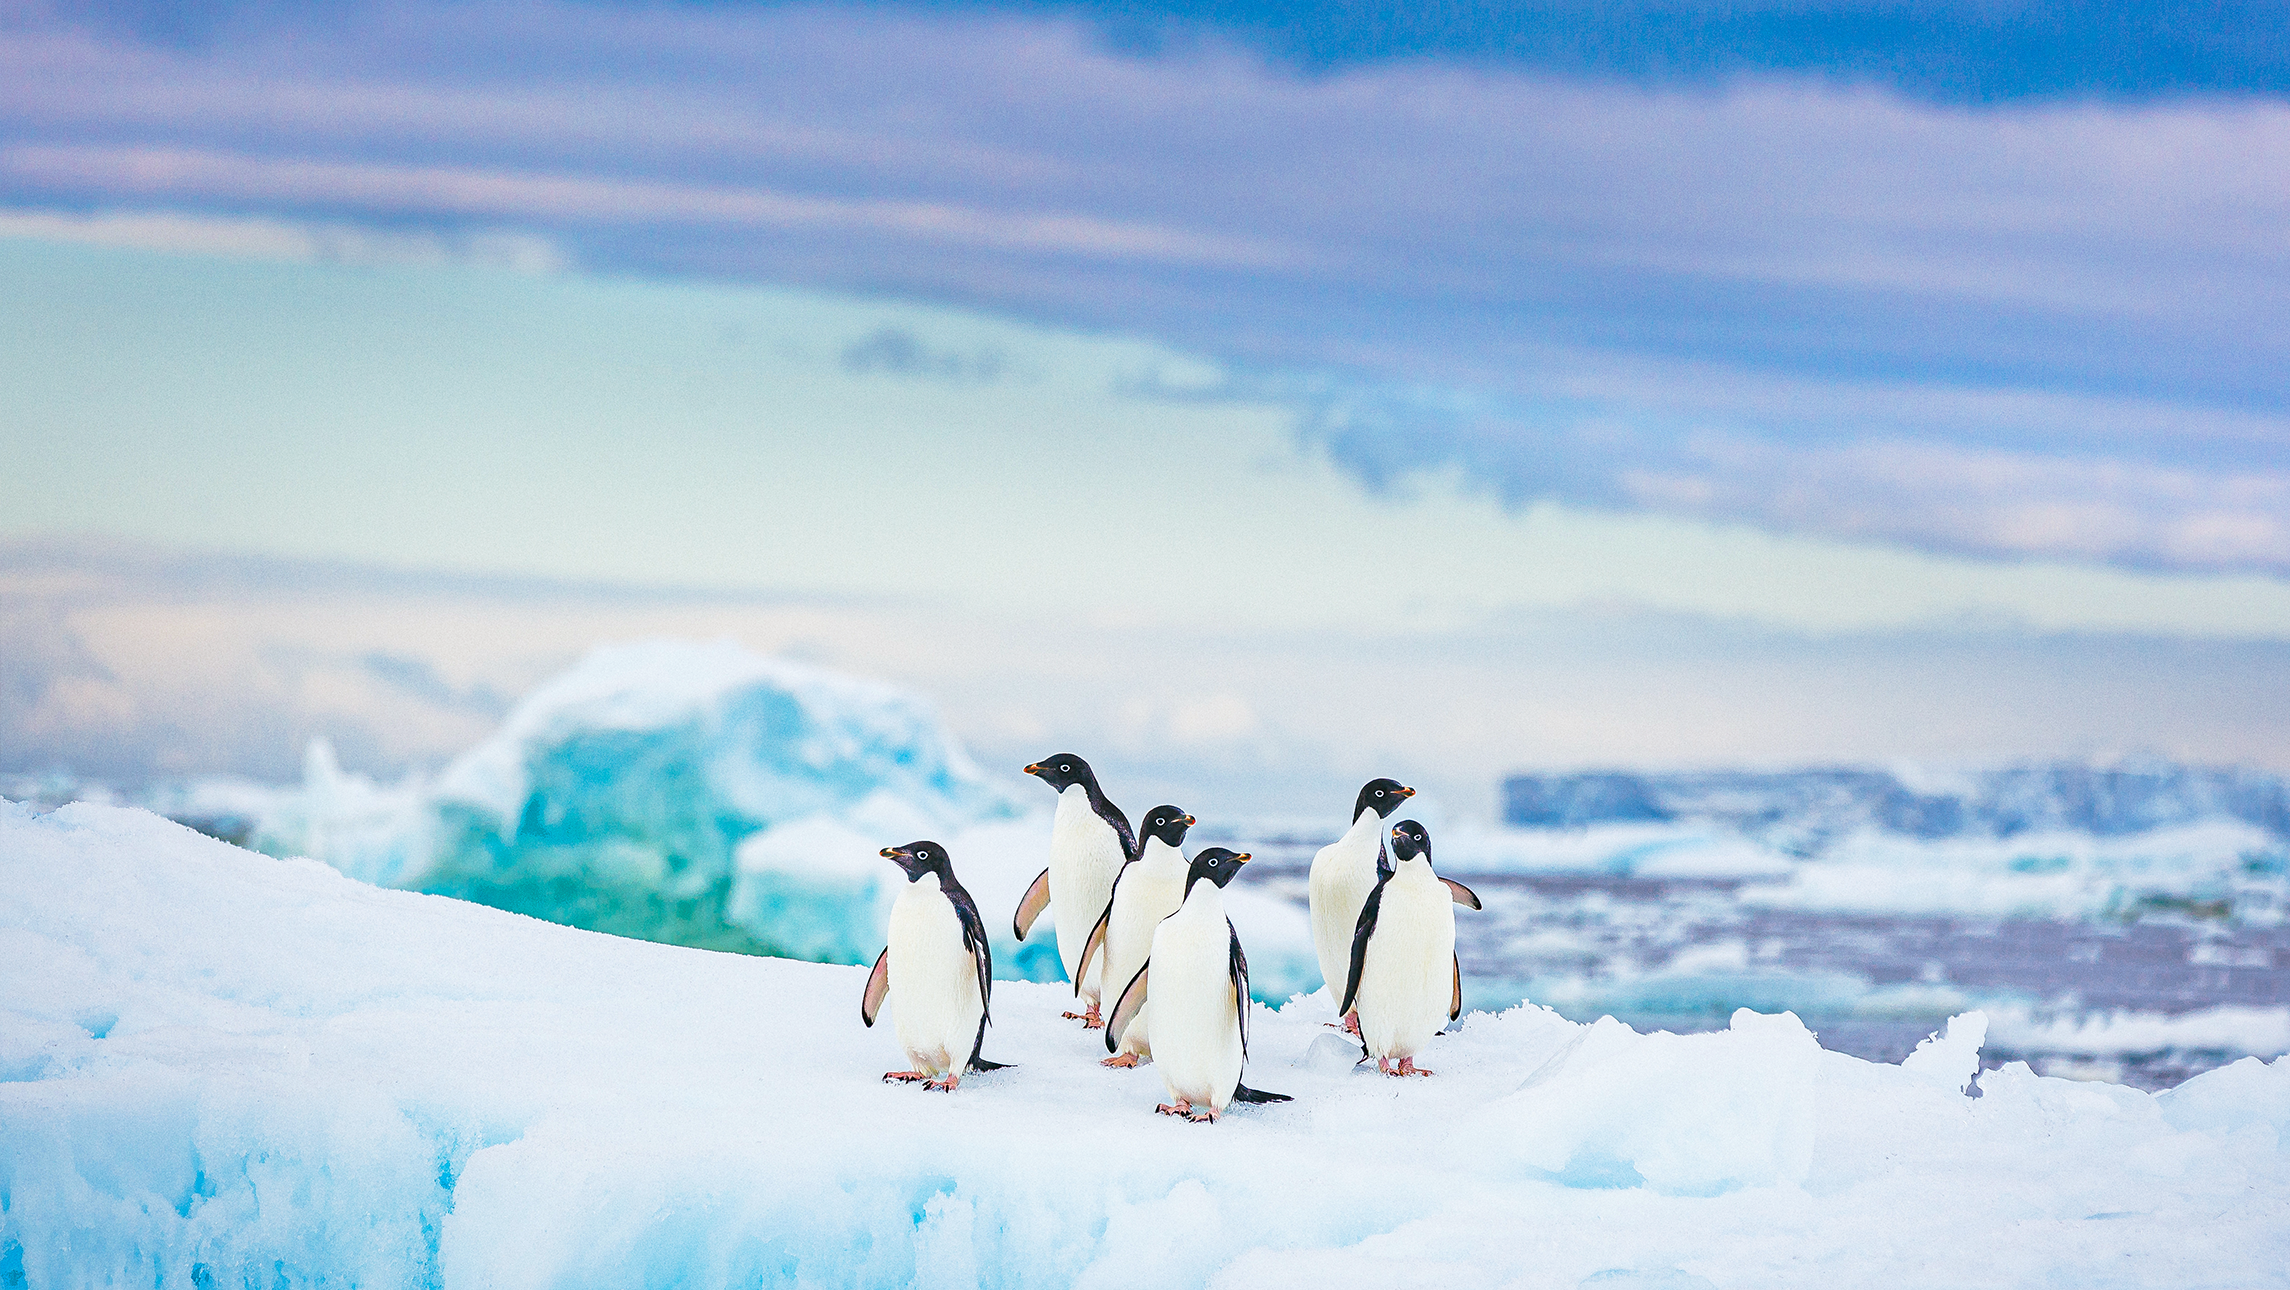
1174,1108
942,1085
1121,1060
1202,1115
1090,1020
903,1077
1407,1066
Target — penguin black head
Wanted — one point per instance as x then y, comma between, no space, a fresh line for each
1215,864
1166,823
1382,796
919,858
1409,840
1062,771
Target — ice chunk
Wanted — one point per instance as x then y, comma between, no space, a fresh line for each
1952,1058
619,797
1684,1114
2248,1092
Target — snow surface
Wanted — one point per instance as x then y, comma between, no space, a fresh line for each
225,1069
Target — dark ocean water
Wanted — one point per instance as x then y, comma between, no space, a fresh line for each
2133,1001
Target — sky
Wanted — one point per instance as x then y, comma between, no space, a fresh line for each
1475,387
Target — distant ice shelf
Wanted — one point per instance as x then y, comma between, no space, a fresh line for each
219,1068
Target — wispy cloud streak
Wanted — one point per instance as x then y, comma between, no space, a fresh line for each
457,191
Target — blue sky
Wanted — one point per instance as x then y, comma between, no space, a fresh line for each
1825,320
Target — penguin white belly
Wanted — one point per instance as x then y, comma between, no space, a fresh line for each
1196,1027
1150,890
1343,873
1408,977
934,1000
1085,854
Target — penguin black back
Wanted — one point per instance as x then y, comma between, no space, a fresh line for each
1062,771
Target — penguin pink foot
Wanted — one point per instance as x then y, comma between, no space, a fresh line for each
903,1077
1124,1060
1405,1068
1202,1115
947,1085
1178,1107
1090,1020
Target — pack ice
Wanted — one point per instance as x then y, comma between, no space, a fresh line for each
219,1068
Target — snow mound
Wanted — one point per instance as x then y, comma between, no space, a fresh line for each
227,1069
1690,1115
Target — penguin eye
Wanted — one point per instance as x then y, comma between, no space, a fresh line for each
1379,792
1065,768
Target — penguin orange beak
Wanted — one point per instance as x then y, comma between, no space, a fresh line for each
1242,858
1406,791
1033,768
892,853
1190,821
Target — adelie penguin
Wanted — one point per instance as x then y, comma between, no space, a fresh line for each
937,972
1195,983
1403,978
1089,843
1148,889
1343,873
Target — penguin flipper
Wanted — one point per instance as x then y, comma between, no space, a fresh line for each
1383,861
1362,932
1124,1012
878,985
1243,1093
1455,1002
1093,945
1031,905
1463,895
1238,964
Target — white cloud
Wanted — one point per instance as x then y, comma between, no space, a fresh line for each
283,239
1989,502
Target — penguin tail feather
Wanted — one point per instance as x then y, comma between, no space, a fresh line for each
981,1064
1243,1093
